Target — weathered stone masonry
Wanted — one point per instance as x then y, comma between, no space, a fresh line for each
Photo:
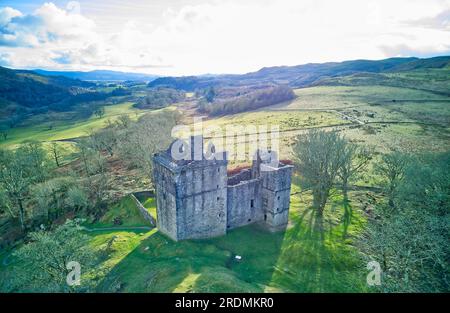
196,198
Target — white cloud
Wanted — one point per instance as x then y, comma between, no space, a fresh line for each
223,36
6,14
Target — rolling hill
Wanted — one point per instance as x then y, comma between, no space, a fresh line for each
24,93
304,75
99,75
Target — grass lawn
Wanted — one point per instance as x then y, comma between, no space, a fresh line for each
421,118
150,205
125,210
61,130
300,259
334,97
285,120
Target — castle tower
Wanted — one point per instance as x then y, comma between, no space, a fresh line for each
275,192
191,193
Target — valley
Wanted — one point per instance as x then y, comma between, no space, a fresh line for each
395,113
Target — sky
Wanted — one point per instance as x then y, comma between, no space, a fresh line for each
191,37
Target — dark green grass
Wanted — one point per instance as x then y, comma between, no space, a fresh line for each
125,210
312,255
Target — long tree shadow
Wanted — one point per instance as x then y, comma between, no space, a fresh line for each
252,256
159,264
316,259
309,256
347,217
147,267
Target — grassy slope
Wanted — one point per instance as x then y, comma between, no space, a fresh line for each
68,130
421,118
128,213
410,119
300,259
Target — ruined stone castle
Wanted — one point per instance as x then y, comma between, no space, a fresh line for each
197,199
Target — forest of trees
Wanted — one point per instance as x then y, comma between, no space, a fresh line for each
159,98
247,100
35,190
408,232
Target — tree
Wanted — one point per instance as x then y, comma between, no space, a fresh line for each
150,134
411,243
354,160
123,121
56,153
411,249
426,183
14,183
94,165
319,155
34,160
100,112
160,98
210,94
20,169
77,198
43,261
392,167
105,139
91,157
50,196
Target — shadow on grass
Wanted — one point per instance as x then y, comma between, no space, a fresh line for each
159,264
310,256
315,258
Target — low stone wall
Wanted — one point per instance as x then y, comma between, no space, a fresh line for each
145,214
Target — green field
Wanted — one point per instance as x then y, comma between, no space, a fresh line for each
381,116
64,130
310,255
300,259
126,211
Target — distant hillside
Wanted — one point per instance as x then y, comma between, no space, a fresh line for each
433,80
23,93
99,75
303,75
436,62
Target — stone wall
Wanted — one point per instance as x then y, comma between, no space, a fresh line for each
145,214
241,176
165,200
202,200
195,198
244,203
276,190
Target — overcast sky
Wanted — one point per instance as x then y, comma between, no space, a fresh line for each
181,37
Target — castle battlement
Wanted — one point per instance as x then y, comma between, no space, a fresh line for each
197,199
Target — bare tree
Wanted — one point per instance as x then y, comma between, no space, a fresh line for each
18,170
142,139
392,167
15,184
105,139
123,121
100,112
56,154
354,160
319,155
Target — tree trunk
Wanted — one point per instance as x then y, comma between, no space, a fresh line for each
345,189
21,215
56,158
320,197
